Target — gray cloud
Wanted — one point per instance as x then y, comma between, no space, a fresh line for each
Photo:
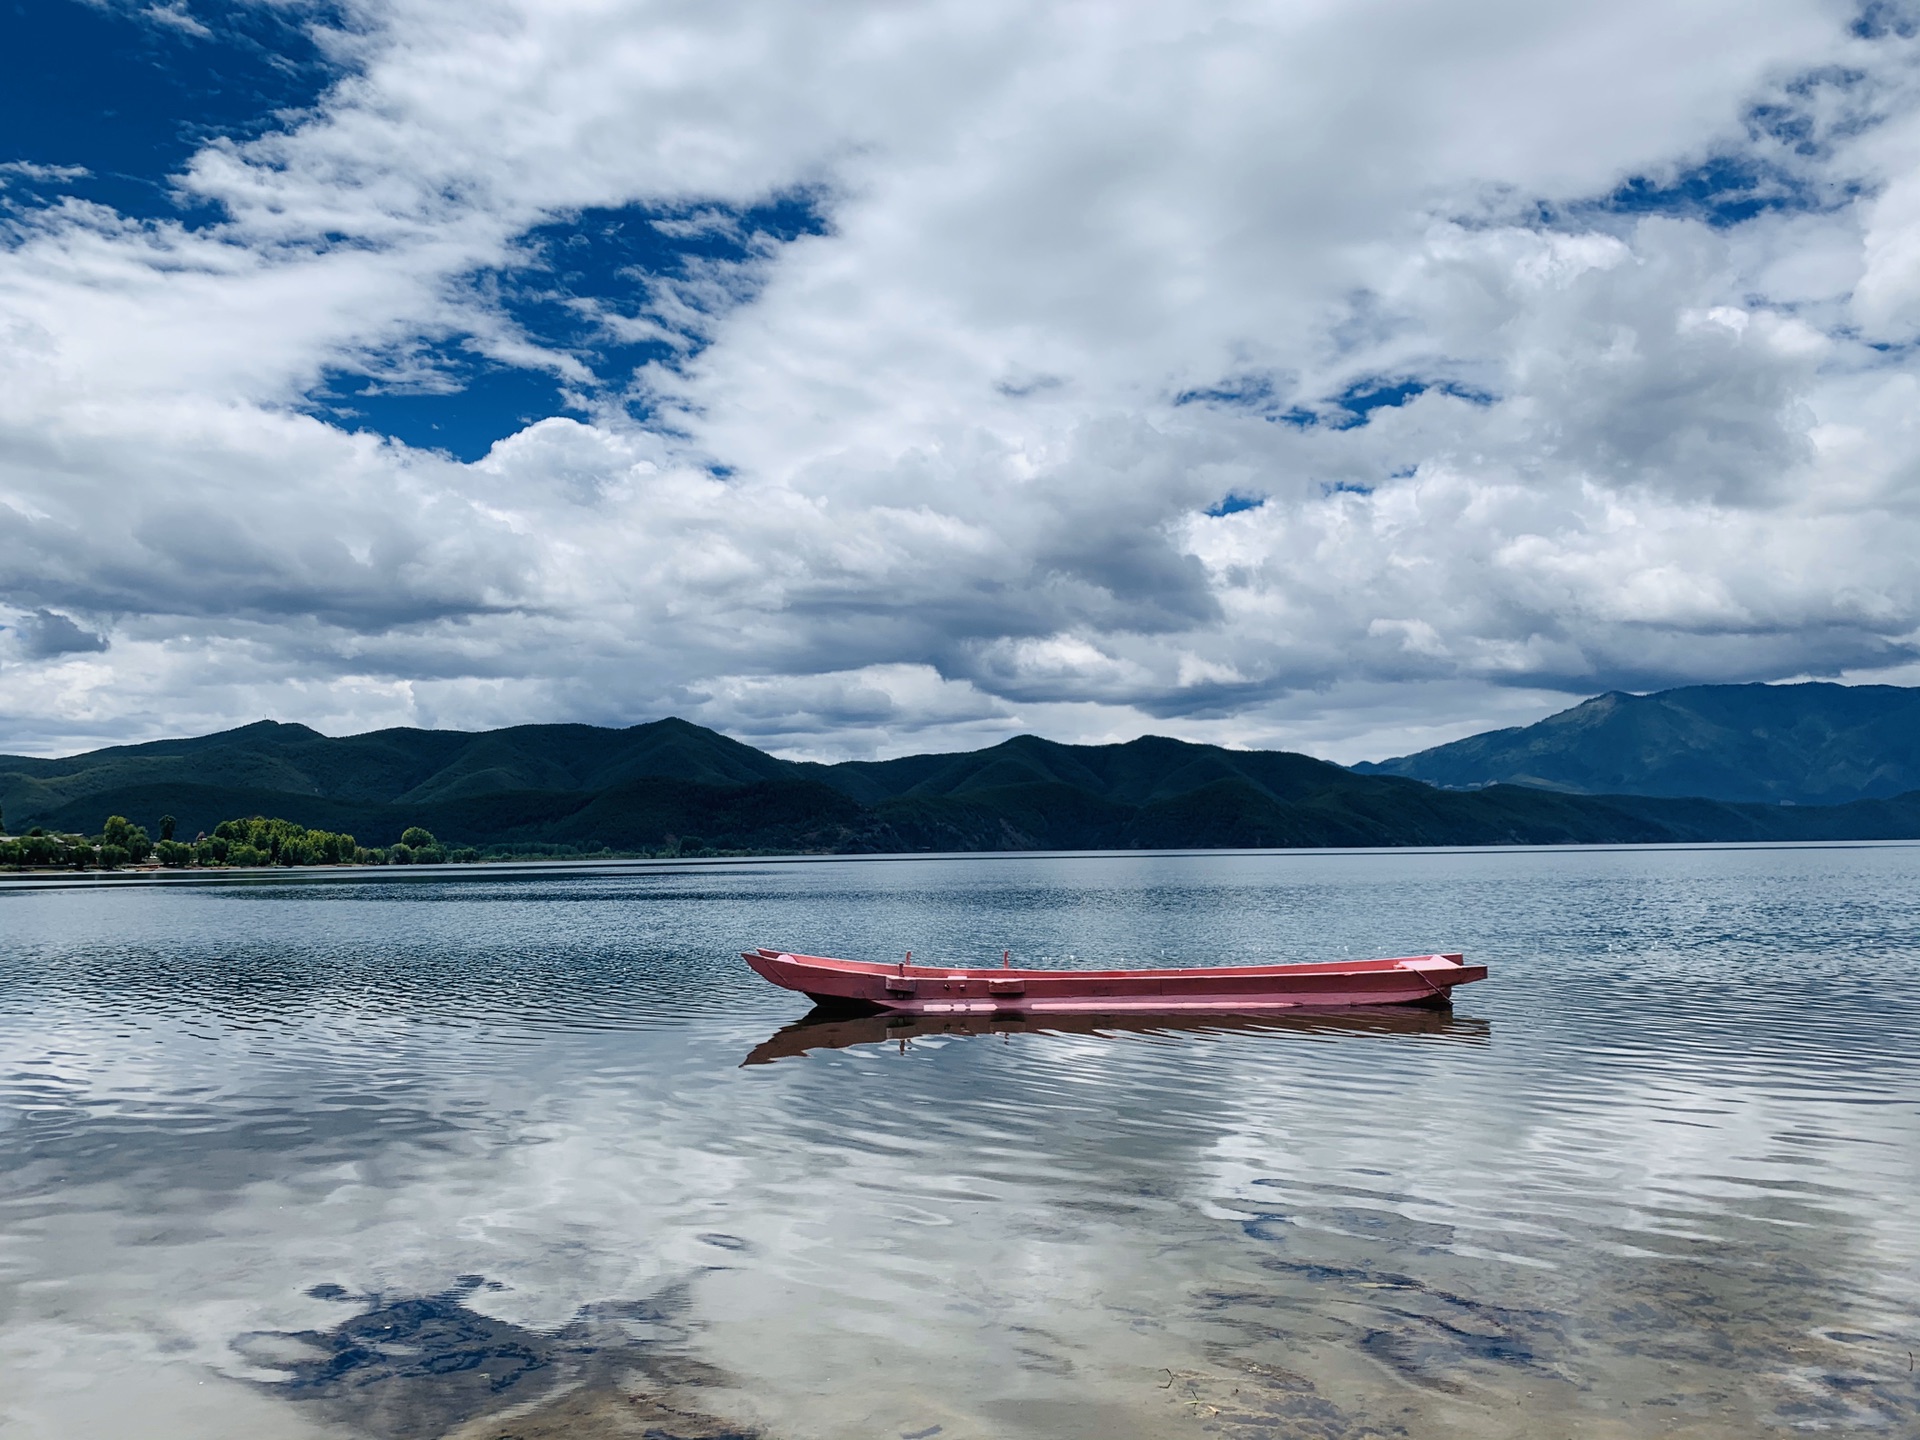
1644,282
46,635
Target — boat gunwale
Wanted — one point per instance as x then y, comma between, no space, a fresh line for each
1400,963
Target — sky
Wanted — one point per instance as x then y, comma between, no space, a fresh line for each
863,379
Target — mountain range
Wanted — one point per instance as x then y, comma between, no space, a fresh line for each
671,783
1808,744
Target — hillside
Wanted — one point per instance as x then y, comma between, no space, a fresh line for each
1812,744
655,785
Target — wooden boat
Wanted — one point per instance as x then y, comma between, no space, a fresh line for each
1229,990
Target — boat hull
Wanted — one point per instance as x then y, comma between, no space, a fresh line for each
1230,990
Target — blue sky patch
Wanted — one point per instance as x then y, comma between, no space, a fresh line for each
587,290
470,403
1352,408
109,101
1355,405
1721,192
1253,390
1234,504
1774,171
1878,19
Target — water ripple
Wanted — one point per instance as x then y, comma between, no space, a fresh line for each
1639,1182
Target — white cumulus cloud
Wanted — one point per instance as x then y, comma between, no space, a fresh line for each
1565,347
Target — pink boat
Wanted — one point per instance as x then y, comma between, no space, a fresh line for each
1227,990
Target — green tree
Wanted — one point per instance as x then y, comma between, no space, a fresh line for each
167,823
83,856
173,855
401,854
123,835
416,838
272,841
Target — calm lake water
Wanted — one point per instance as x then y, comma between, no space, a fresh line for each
483,1157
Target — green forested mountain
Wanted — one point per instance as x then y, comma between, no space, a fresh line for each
652,785
388,767
1811,744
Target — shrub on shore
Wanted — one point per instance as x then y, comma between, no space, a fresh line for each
260,841
254,841
37,849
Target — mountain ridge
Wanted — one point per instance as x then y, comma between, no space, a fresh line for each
665,782
1812,743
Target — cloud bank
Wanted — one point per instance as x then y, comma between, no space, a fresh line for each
863,379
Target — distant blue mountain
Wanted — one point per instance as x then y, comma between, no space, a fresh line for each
1812,744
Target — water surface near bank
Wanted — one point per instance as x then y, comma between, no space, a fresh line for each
410,1155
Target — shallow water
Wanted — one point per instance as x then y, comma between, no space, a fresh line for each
485,1157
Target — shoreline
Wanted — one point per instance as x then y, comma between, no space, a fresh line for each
153,876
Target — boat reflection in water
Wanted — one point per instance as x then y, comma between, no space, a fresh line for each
825,1028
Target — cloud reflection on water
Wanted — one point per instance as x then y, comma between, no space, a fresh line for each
1640,1181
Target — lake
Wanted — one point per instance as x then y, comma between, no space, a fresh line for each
497,1155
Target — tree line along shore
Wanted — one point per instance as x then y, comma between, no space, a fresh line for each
253,842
